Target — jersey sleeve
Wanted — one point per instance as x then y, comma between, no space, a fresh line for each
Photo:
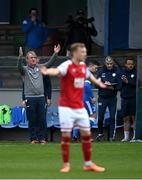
63,68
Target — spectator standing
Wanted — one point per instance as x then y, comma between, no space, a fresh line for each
80,29
128,97
109,74
36,32
34,95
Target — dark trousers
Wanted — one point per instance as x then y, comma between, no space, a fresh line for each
103,103
36,115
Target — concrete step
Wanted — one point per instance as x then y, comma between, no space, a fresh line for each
7,50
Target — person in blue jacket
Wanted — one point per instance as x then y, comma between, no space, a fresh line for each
128,97
88,97
36,32
110,75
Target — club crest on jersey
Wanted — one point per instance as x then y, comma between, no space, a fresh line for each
37,69
100,103
132,75
25,22
79,82
103,75
114,74
74,70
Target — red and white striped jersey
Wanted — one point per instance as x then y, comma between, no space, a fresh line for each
72,84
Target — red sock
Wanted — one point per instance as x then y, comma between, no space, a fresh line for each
65,148
86,147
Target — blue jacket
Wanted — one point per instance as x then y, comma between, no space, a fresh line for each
129,90
18,115
113,76
36,33
88,93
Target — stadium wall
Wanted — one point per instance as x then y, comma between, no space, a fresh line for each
124,23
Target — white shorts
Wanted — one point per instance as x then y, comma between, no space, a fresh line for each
73,117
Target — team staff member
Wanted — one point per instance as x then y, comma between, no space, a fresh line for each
128,96
71,109
34,94
110,75
36,32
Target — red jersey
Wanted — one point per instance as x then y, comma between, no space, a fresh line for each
72,84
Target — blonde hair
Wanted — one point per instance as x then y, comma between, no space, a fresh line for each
75,46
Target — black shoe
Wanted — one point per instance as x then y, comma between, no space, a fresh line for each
100,137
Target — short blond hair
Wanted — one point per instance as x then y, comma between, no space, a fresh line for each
75,46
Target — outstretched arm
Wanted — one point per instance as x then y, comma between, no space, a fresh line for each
21,63
60,70
50,71
98,82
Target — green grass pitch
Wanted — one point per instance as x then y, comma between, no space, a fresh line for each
22,160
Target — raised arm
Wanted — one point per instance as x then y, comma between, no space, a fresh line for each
53,57
21,63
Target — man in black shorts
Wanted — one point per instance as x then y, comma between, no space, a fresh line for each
128,95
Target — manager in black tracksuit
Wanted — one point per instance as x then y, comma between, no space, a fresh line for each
110,75
128,96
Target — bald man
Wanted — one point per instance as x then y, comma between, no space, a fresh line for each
110,75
